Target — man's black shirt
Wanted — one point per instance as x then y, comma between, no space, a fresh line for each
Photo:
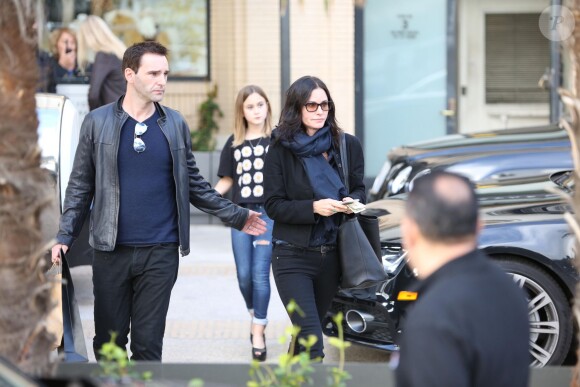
469,327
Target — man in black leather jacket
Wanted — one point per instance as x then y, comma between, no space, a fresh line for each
135,166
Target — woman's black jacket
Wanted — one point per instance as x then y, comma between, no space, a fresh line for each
289,195
107,80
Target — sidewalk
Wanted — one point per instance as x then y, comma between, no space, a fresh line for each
207,320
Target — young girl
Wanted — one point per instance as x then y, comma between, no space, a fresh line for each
241,169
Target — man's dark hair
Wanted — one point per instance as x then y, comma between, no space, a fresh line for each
133,55
442,208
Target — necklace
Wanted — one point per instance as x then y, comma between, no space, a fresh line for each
255,146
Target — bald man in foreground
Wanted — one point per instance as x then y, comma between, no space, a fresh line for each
470,324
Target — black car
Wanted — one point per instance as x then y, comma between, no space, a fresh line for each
507,156
525,233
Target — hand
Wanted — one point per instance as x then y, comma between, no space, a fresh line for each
348,199
56,252
328,207
254,225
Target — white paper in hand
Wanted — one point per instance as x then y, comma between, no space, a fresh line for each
355,206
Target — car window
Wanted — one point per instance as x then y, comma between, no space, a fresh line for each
49,117
58,136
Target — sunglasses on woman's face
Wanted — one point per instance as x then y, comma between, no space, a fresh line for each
313,106
138,144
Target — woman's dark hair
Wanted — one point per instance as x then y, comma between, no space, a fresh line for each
296,97
133,55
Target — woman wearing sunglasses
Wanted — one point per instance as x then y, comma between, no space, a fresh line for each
304,196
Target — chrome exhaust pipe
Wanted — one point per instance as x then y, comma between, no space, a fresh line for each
359,322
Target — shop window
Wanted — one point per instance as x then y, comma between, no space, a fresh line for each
180,25
516,57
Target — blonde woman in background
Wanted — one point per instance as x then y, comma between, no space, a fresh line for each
98,45
64,53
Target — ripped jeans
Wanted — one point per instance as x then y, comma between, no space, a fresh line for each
253,256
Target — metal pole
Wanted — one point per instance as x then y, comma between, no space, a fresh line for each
284,48
555,72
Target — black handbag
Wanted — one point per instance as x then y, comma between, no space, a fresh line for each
359,245
73,342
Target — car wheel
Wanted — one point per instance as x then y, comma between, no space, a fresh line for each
551,327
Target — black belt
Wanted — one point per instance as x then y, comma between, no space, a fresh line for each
320,249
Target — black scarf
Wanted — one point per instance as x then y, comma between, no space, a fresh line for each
324,179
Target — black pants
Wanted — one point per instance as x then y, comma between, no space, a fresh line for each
132,286
310,278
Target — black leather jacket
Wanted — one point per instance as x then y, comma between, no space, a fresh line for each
95,179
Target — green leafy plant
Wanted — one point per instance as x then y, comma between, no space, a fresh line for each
195,383
116,367
296,370
202,138
338,375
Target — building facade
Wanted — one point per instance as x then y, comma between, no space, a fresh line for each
398,71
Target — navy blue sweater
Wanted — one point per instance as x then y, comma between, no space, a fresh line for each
148,208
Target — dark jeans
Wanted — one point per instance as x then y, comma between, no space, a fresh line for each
311,279
132,287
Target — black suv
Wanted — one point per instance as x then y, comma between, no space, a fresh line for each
505,156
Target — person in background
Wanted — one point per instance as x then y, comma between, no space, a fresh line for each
103,51
64,53
470,324
241,170
43,58
135,167
46,82
304,196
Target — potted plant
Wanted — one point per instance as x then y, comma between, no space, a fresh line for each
202,138
203,144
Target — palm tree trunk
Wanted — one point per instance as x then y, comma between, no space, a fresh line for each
24,193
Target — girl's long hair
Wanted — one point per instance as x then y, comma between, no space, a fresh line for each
296,97
240,122
94,36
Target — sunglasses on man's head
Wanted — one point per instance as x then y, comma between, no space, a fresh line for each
138,144
313,106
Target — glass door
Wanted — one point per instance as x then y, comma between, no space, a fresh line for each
409,91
